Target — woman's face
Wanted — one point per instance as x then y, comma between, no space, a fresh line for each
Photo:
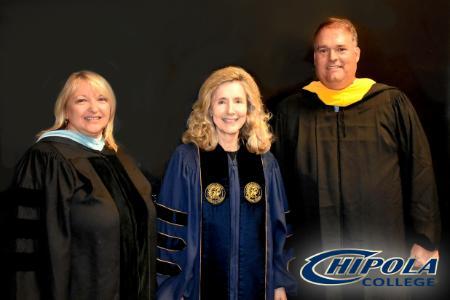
87,111
229,110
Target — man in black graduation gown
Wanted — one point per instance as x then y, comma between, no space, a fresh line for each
355,161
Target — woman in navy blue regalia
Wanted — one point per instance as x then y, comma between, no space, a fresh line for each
221,212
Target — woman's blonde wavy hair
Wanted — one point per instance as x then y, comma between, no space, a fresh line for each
98,83
256,131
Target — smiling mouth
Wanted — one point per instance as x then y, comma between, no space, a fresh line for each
230,120
92,118
334,67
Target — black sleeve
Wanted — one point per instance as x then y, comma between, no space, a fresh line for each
36,248
285,124
418,184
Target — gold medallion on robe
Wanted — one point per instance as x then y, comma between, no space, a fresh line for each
215,193
253,192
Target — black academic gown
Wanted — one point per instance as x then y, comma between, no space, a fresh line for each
360,177
82,225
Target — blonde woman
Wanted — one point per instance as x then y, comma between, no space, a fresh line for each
85,223
221,211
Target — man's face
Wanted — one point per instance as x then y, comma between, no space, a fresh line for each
336,57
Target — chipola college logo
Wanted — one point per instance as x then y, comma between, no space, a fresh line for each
347,266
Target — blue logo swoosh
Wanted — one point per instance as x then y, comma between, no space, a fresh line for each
309,273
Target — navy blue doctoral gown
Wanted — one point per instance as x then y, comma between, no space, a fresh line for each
179,228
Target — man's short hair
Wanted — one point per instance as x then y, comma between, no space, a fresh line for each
338,22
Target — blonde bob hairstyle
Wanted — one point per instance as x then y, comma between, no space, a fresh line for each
98,83
201,130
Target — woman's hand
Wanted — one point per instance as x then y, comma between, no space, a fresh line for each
280,294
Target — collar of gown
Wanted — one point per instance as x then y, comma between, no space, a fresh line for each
345,97
87,141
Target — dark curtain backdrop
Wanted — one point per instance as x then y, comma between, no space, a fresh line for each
156,54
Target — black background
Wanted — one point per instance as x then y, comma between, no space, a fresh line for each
156,54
